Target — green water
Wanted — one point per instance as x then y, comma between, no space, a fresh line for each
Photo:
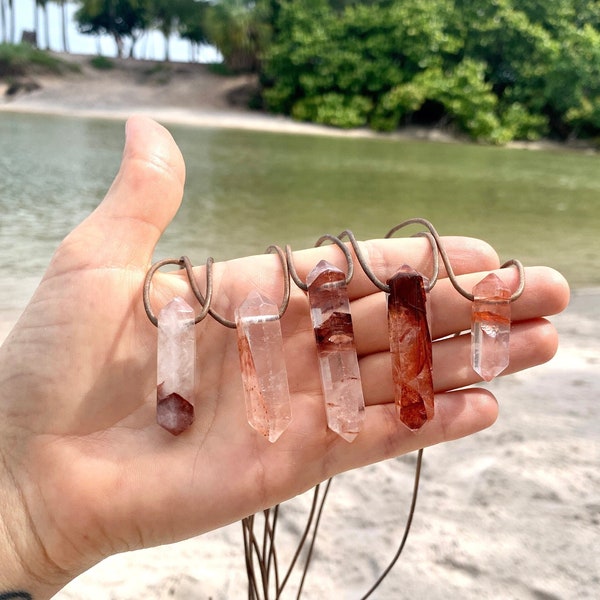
246,190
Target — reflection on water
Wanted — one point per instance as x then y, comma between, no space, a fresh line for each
246,190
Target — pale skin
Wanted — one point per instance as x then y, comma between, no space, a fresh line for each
85,472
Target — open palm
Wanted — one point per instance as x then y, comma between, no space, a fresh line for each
88,471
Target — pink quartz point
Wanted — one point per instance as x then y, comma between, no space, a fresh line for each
175,366
264,375
410,348
490,327
338,361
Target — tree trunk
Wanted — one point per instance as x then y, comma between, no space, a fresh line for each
36,23
134,40
167,47
46,27
2,21
13,22
119,42
65,25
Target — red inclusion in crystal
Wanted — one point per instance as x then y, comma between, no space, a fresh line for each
174,413
410,347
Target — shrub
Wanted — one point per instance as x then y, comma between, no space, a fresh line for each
102,63
17,60
334,109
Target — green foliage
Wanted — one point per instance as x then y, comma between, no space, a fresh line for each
334,109
496,69
121,19
239,30
102,63
22,59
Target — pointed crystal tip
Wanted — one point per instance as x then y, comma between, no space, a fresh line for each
174,413
490,288
349,436
414,416
323,267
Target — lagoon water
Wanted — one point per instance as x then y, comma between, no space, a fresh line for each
246,190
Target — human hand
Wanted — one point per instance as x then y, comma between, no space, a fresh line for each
85,472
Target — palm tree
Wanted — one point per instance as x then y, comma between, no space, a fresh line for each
3,21
13,22
165,14
43,4
64,23
236,28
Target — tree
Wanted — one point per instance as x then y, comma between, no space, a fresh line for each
240,31
43,4
192,25
64,23
167,15
121,19
3,33
13,22
498,70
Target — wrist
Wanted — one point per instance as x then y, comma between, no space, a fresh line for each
26,572
21,577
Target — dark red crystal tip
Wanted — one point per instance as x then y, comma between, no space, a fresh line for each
174,413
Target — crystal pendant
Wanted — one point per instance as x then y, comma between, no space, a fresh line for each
176,350
490,327
410,348
338,361
262,363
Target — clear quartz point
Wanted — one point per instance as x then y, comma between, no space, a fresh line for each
490,327
338,361
410,347
262,363
176,359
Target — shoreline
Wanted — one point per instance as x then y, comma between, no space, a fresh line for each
249,120
190,94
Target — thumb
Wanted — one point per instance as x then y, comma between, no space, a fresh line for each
142,201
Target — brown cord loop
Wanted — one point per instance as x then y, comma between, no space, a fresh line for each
445,259
332,238
286,277
363,262
184,263
344,249
292,269
286,290
434,240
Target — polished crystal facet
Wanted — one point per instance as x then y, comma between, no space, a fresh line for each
262,363
410,348
338,361
490,327
176,366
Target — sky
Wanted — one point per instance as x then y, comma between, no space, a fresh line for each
151,46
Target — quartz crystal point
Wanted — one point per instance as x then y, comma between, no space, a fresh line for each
410,348
262,363
338,362
490,327
176,366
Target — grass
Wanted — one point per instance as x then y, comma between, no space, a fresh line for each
220,68
18,60
102,63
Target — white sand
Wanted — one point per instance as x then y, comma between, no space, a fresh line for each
511,513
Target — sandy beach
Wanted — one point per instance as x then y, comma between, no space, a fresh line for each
510,513
179,93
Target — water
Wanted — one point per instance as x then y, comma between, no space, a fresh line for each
246,190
